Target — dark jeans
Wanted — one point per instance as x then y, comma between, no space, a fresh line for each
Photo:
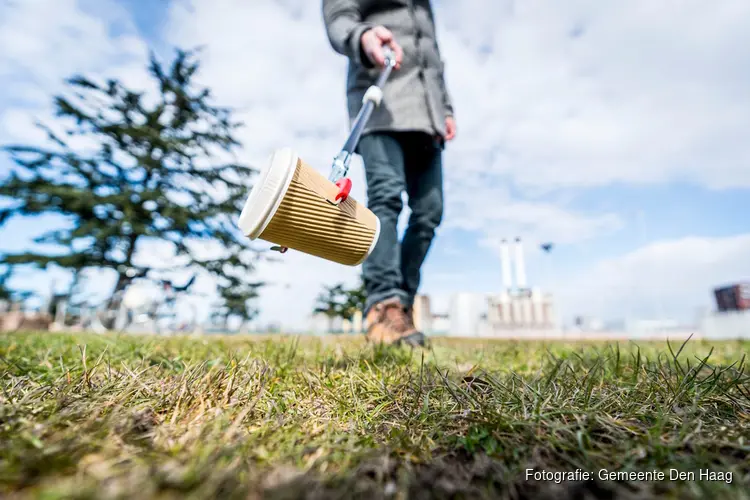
394,163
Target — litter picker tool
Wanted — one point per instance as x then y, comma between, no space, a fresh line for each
294,206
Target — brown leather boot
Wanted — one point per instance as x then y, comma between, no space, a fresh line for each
410,312
388,323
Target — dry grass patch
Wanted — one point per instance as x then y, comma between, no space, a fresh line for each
87,416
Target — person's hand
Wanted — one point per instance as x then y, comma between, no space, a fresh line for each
450,128
372,43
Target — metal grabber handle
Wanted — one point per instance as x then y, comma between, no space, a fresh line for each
370,101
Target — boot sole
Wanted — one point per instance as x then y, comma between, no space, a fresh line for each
416,339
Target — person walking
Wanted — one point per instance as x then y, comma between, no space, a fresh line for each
401,146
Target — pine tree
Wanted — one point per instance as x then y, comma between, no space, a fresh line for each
337,301
330,302
6,294
354,300
10,295
155,173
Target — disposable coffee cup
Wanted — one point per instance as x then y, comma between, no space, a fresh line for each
294,206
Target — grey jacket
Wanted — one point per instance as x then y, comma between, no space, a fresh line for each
415,96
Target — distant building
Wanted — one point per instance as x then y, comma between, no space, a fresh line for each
589,324
725,325
521,309
441,324
319,323
651,325
466,314
422,314
337,325
272,327
357,323
518,306
735,297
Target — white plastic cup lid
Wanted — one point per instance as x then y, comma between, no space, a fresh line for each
268,192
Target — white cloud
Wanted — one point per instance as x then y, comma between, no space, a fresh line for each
47,41
482,204
649,91
41,37
670,278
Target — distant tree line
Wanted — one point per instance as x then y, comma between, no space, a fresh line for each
340,301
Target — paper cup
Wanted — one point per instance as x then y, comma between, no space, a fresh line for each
290,205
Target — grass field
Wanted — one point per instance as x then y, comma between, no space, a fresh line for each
87,416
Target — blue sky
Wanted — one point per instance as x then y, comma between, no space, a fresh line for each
616,130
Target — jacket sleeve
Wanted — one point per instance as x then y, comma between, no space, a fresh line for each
447,101
344,27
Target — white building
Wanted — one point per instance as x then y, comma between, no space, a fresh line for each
441,324
357,325
726,325
422,315
466,313
520,306
319,324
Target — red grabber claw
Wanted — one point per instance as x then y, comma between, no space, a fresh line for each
345,186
